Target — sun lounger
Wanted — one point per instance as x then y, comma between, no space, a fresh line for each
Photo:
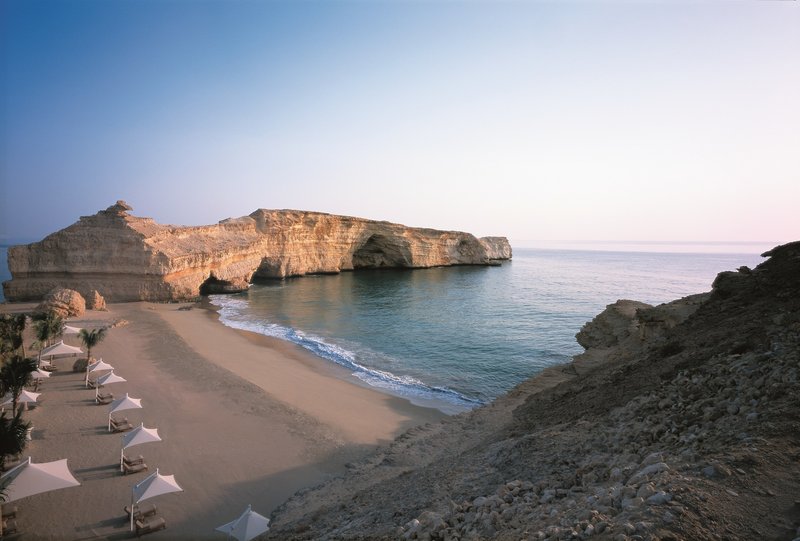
133,461
105,398
141,511
50,366
120,426
152,525
136,468
9,511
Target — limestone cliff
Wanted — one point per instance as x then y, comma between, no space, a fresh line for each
128,258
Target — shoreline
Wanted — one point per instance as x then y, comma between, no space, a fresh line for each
332,368
317,374
244,420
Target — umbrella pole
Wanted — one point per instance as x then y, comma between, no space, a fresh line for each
87,372
109,422
121,458
132,508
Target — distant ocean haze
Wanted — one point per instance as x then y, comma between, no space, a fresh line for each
460,336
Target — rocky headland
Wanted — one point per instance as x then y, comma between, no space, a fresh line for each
680,421
129,258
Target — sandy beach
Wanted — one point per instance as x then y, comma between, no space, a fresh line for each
244,419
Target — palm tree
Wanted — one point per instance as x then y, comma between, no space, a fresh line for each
13,432
91,339
12,327
15,374
46,326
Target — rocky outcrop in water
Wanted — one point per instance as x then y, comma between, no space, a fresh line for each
687,427
127,258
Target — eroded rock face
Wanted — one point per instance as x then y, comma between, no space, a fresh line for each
128,258
64,302
496,248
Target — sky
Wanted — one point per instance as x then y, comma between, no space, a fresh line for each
540,121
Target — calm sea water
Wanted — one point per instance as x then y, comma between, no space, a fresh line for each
458,337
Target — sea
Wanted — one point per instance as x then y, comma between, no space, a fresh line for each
457,337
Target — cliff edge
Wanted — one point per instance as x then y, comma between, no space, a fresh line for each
129,258
680,421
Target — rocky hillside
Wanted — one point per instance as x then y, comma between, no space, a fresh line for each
680,421
128,258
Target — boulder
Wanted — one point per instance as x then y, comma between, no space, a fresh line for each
95,301
64,302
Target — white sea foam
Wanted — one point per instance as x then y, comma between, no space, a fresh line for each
232,314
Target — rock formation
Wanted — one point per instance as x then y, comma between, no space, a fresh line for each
95,301
64,302
689,429
128,258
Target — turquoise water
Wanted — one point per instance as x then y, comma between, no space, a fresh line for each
460,336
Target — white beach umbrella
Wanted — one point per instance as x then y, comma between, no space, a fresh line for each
122,404
28,479
108,379
60,349
137,436
98,366
249,525
40,374
70,330
25,397
152,486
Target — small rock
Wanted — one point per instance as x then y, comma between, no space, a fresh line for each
632,503
751,416
647,471
646,490
659,498
653,458
480,501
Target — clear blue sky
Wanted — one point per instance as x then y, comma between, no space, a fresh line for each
536,120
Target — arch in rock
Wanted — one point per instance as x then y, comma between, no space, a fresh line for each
381,251
213,285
